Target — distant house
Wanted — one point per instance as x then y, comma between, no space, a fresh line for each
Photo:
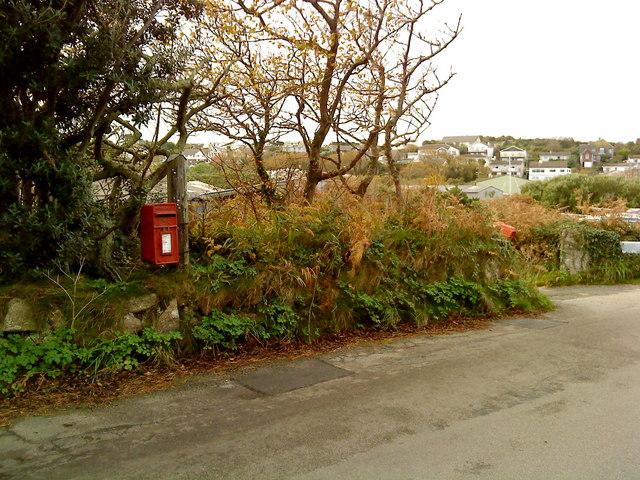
547,170
401,157
481,192
467,140
514,154
604,148
293,147
589,155
411,157
551,156
480,148
619,167
634,159
195,154
437,150
501,167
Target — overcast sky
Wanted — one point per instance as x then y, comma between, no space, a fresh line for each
543,68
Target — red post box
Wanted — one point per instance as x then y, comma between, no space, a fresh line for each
159,233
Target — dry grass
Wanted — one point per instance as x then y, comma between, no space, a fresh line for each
523,213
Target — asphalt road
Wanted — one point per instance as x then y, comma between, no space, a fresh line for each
553,397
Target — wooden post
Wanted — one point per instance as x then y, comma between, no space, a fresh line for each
177,192
171,182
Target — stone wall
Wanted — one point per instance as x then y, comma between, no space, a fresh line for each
22,315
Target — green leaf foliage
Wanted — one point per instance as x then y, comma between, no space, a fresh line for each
570,191
22,358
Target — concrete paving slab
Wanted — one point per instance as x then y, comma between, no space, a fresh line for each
274,380
534,323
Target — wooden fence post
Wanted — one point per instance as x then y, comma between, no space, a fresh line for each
177,192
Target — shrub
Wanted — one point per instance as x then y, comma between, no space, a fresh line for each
576,193
280,321
219,272
222,330
127,352
345,262
22,358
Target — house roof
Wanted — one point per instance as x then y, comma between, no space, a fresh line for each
556,164
478,188
506,163
628,165
460,139
586,146
435,146
502,183
513,148
557,154
188,152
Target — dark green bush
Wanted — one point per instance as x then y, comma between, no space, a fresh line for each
279,321
569,191
22,358
222,330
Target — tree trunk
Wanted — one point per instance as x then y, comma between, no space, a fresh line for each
179,190
394,170
268,187
310,187
104,258
372,169
314,175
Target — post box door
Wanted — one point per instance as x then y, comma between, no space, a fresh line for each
159,233
167,249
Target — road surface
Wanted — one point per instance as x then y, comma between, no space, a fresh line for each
556,396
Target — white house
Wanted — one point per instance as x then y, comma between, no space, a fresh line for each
293,147
481,148
498,168
547,170
513,154
412,156
195,154
633,159
551,156
437,150
619,167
